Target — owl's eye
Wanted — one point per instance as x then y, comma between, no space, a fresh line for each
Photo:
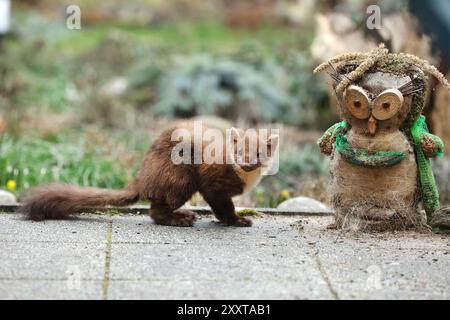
357,102
387,104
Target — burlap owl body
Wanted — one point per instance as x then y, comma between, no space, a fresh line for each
380,169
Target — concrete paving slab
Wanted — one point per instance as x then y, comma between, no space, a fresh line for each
15,228
262,288
286,257
51,261
207,230
389,265
376,273
188,262
265,261
50,290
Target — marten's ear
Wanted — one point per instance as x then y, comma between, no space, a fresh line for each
235,134
272,141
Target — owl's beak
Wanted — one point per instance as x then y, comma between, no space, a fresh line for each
372,125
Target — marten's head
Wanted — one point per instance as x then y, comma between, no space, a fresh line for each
253,149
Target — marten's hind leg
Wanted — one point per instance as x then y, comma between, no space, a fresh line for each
163,214
168,199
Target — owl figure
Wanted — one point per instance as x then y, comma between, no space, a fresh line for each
380,167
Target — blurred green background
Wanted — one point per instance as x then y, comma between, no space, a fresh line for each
82,106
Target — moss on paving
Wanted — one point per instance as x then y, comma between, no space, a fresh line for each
248,212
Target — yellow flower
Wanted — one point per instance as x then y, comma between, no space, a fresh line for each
285,194
11,185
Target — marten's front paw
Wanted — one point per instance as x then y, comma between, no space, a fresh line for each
242,222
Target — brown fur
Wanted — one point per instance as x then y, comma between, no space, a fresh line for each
166,185
58,201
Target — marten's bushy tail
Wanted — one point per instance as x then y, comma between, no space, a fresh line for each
59,201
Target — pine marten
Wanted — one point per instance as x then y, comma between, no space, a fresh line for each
168,185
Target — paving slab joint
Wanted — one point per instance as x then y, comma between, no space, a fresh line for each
324,275
105,282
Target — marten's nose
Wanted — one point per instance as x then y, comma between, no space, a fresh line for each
372,125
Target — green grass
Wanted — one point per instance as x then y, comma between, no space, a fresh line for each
303,161
186,37
31,161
